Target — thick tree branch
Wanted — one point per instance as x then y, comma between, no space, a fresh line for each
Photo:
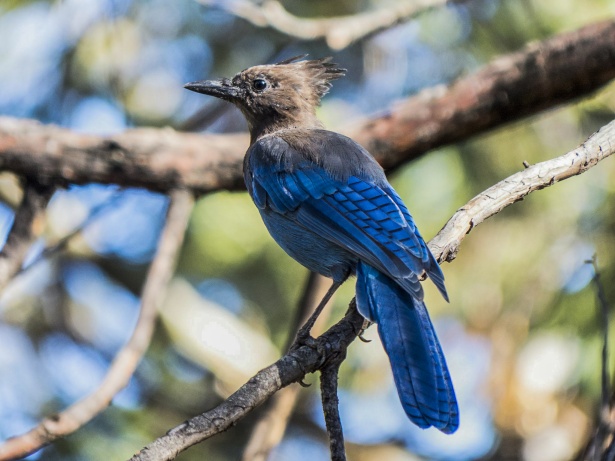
156,159
127,359
542,76
338,32
307,359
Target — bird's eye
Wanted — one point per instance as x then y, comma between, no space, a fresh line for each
259,84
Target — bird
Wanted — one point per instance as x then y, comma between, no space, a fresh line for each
327,202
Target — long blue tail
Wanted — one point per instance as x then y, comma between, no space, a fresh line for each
419,368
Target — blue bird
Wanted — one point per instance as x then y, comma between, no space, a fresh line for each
328,204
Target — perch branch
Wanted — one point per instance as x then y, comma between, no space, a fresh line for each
127,359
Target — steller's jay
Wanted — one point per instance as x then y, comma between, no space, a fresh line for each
328,204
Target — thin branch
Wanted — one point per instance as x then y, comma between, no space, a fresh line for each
602,444
542,76
25,229
127,359
330,406
293,366
606,424
597,147
604,321
93,213
339,32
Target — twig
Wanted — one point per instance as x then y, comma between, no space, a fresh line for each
294,366
271,425
65,240
330,407
540,77
129,356
24,229
597,147
338,32
597,448
604,321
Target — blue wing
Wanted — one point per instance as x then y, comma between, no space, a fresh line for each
366,217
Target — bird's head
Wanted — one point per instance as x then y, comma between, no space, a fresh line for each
276,96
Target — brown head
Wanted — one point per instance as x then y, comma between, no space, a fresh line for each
276,96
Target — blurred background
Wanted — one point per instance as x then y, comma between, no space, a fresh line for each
521,332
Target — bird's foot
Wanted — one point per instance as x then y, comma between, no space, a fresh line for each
304,338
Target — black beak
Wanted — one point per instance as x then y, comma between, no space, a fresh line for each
222,89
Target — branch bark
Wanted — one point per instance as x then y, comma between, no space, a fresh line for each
330,407
127,359
540,77
295,365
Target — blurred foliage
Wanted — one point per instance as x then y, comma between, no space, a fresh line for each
520,333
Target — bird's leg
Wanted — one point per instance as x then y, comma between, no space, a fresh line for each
304,331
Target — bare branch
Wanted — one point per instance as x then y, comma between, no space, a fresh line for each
295,365
25,229
601,445
338,32
597,147
330,406
127,359
540,77
65,240
157,159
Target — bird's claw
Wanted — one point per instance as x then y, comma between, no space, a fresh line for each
362,339
302,383
364,327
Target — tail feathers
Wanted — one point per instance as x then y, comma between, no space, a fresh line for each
419,368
